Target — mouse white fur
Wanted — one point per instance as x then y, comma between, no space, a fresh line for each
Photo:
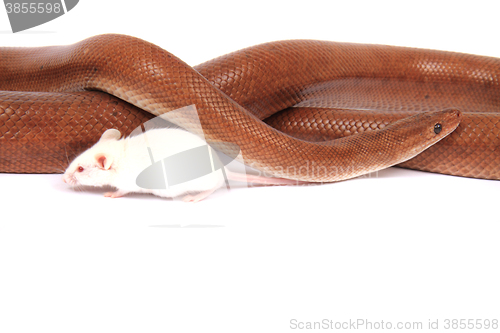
118,162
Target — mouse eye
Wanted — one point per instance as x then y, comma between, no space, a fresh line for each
80,169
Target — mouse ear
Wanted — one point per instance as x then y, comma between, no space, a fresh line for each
111,134
103,162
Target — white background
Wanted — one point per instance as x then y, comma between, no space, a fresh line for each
398,246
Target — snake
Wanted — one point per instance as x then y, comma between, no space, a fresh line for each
311,110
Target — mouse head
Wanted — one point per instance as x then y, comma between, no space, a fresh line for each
95,166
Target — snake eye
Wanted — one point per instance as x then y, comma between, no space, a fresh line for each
437,128
80,169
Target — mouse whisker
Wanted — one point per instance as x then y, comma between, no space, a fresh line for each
66,151
59,169
72,153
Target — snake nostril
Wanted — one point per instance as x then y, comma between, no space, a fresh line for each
437,128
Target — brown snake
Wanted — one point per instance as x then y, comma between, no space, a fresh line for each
327,97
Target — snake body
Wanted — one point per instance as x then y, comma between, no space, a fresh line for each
306,110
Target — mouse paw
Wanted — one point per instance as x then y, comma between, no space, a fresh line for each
116,194
190,198
197,197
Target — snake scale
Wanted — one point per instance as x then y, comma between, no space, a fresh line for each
302,109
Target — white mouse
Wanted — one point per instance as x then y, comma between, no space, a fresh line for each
119,162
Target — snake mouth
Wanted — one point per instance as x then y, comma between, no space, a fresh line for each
451,120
